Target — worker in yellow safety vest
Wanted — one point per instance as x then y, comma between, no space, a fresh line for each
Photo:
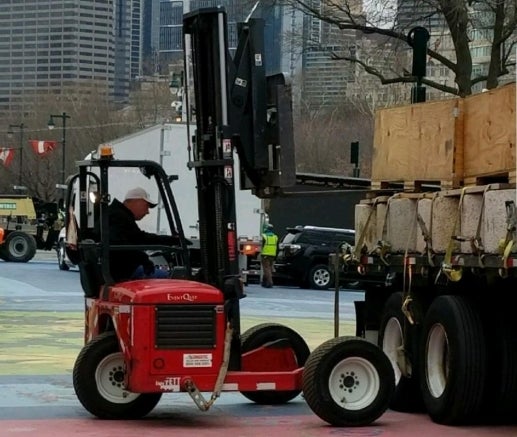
268,255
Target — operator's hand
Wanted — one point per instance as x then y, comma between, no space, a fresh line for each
148,268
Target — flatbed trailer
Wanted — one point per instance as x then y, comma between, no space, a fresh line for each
439,271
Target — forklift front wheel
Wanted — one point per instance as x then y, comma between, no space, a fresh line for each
98,379
348,381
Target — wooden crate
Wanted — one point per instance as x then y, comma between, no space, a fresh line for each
489,136
419,143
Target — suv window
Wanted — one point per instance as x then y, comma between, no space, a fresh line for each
290,237
342,237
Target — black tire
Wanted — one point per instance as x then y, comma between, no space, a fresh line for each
20,247
262,334
320,277
3,253
395,332
348,381
100,361
501,381
453,357
61,256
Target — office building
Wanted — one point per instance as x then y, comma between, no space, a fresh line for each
47,46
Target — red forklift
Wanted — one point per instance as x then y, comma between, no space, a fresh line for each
147,337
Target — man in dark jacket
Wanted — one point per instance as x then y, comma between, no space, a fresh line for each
133,264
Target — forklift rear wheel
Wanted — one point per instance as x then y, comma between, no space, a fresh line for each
20,247
98,379
348,381
262,334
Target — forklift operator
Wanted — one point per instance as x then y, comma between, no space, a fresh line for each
133,264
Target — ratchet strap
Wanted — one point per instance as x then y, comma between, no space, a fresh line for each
506,244
453,273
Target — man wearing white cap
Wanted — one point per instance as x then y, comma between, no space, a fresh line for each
134,264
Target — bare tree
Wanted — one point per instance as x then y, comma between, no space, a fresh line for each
91,120
323,138
497,19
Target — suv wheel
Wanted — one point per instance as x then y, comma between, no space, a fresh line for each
320,277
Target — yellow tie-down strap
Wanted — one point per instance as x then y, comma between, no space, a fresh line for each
453,272
506,244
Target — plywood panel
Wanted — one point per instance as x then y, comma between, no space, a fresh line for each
490,132
419,142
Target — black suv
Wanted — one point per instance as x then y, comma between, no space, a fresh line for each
303,255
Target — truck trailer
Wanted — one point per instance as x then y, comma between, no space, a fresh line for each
436,254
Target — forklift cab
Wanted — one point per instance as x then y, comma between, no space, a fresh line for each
89,194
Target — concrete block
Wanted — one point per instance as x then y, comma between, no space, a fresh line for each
369,228
470,215
424,208
402,224
494,221
444,217
381,218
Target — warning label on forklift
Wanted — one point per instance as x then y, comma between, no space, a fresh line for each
197,360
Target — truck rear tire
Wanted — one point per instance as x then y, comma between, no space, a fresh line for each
19,247
453,357
395,333
501,383
348,381
98,379
258,336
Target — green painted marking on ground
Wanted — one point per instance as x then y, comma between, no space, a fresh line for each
46,343
39,342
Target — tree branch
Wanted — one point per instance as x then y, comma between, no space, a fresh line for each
398,79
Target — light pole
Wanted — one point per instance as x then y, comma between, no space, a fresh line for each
10,133
51,126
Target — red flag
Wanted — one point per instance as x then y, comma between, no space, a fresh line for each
42,147
6,156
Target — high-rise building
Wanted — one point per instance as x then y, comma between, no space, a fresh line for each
126,25
49,45
325,79
162,30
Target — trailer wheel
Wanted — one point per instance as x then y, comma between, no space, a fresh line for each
320,277
258,336
501,378
20,247
98,379
453,361
392,338
348,381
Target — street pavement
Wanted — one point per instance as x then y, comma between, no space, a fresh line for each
41,323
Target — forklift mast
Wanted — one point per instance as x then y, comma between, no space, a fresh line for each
236,108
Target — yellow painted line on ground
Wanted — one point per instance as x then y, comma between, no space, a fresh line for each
43,343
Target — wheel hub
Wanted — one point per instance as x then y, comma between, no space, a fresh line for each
354,383
348,381
110,376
